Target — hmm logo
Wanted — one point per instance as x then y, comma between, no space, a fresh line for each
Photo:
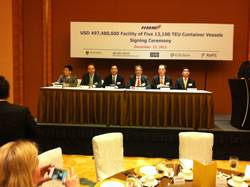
147,27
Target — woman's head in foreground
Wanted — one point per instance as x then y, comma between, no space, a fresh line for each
19,164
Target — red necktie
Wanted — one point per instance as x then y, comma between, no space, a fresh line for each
138,82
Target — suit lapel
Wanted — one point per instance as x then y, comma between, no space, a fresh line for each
134,80
182,83
110,79
142,79
88,78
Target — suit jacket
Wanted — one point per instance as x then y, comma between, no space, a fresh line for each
72,81
97,80
180,83
156,81
16,122
119,81
144,81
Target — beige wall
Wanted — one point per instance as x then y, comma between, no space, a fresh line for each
6,47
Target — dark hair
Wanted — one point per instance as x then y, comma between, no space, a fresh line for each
185,68
4,88
91,64
113,65
70,68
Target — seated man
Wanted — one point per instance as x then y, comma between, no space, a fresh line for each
185,81
16,122
67,78
91,79
138,79
161,80
114,79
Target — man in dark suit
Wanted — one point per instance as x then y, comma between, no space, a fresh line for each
91,79
185,81
114,79
16,122
161,80
138,79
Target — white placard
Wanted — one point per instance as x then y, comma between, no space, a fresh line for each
196,41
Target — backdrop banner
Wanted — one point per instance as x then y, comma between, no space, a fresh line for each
190,41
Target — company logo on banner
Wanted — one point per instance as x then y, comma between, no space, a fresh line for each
190,41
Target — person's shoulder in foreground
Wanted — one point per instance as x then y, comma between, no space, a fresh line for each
16,121
244,70
22,156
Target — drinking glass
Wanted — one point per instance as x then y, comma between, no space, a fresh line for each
233,162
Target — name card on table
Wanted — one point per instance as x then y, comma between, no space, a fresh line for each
84,87
138,88
204,175
165,89
192,89
179,180
57,85
109,87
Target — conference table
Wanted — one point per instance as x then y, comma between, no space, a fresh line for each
222,166
84,167
127,107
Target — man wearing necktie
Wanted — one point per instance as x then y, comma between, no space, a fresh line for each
114,79
91,79
184,82
161,80
138,79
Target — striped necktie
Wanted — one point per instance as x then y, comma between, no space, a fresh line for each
113,79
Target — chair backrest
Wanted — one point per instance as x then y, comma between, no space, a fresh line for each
54,157
108,154
196,146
